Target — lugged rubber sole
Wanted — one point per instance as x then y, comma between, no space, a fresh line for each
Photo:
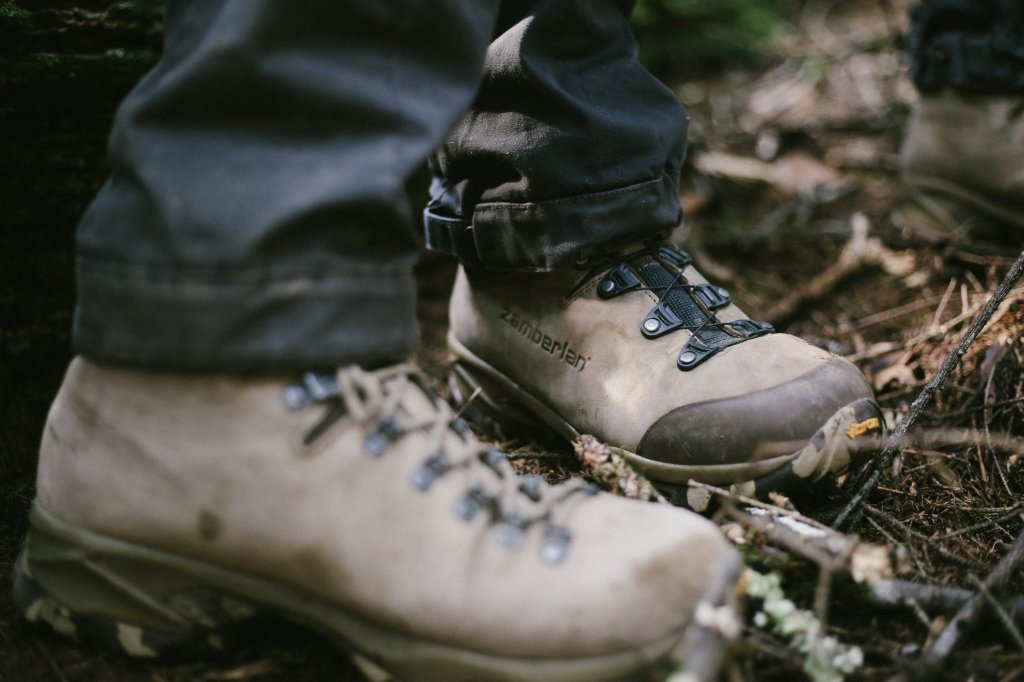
505,407
145,602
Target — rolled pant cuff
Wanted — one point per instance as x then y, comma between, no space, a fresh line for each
547,235
253,320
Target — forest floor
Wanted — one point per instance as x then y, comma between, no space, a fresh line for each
789,189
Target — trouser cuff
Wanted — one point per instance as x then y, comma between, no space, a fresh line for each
552,234
244,321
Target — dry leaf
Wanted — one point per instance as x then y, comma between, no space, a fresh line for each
794,173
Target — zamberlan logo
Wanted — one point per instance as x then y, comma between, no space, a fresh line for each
532,333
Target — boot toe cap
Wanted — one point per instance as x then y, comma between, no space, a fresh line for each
754,426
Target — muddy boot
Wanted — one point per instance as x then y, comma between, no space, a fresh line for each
172,509
643,353
963,169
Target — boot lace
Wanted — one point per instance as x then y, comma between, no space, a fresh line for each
511,503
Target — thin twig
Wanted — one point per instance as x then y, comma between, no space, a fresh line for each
822,591
918,535
928,393
935,598
965,619
888,315
982,525
906,547
937,317
827,558
751,502
53,664
1004,617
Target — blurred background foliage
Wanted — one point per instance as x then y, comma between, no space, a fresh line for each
683,39
677,38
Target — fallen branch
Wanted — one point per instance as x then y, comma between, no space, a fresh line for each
831,550
927,394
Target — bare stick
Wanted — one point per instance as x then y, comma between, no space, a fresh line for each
820,552
936,598
929,391
751,502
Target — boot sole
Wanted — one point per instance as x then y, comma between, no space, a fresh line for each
149,603
506,408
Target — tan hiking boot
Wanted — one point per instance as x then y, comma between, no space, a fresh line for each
963,167
171,507
643,353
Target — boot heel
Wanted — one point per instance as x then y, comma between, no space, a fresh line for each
114,595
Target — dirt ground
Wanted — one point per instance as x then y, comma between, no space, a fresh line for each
790,187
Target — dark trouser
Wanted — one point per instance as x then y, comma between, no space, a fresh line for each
968,45
255,217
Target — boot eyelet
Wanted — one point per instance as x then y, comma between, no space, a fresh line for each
678,258
473,501
660,321
388,431
511,529
494,459
461,428
530,486
617,281
713,297
556,545
694,353
434,466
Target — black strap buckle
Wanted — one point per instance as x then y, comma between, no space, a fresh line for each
661,320
616,281
451,235
678,258
713,297
694,353
750,329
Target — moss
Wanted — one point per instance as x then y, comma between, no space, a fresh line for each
11,14
13,20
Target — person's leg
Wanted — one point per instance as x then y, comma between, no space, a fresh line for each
962,157
189,478
255,217
571,147
568,164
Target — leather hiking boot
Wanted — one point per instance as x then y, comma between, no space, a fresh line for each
964,172
643,353
172,509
